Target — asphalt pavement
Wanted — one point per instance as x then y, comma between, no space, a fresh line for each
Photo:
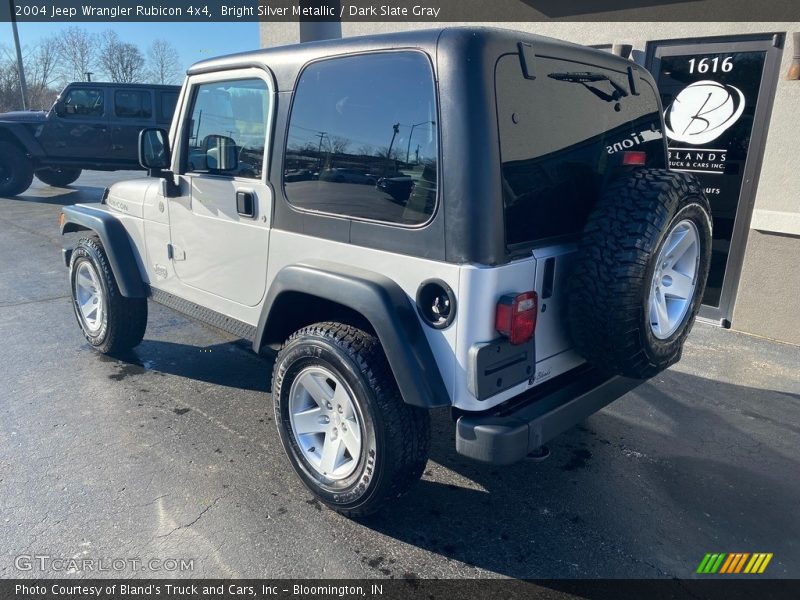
172,453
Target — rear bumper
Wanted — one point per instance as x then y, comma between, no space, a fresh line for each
505,435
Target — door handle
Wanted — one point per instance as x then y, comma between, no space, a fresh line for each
246,204
99,126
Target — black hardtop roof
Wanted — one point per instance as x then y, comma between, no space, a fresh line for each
147,86
286,61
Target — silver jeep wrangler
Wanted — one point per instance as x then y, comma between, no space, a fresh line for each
469,218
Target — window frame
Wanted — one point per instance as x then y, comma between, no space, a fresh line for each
147,93
438,130
186,99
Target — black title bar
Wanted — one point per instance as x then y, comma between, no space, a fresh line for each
434,11
396,589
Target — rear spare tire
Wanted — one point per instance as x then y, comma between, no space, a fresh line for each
640,273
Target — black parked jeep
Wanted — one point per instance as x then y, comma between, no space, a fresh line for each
90,126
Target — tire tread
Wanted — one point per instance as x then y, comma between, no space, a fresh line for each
605,314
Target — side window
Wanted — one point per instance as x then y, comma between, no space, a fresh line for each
363,138
133,104
167,106
228,128
83,102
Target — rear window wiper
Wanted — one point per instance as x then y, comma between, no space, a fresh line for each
587,77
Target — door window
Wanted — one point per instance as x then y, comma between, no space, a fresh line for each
83,102
129,104
227,128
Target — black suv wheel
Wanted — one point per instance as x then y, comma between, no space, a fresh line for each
16,171
346,430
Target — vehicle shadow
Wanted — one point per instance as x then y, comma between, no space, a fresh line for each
642,489
228,364
62,196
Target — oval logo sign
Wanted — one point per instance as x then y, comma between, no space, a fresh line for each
703,111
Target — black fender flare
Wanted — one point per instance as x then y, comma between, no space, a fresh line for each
387,308
19,133
115,241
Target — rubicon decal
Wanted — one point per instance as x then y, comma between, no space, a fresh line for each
733,563
703,111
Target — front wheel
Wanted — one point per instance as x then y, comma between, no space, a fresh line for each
110,322
345,428
16,170
58,176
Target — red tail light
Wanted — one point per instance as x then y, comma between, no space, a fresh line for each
634,158
516,316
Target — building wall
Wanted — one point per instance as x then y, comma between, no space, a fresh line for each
767,301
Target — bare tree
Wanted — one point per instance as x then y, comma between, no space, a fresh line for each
338,145
122,62
78,50
163,63
9,82
43,63
40,65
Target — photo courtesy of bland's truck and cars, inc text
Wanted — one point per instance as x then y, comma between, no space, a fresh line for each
356,299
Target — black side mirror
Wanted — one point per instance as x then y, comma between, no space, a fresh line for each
221,153
155,156
154,150
59,108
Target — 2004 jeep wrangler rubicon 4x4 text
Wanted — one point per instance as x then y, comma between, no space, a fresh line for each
469,218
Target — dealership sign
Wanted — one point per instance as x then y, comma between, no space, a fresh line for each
708,114
710,102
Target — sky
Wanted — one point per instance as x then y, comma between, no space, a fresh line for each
194,41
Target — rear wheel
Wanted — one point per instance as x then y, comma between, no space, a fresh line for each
110,322
641,271
345,428
16,170
58,176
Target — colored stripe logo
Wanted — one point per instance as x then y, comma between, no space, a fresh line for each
736,562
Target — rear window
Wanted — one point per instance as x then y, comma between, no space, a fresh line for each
559,134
